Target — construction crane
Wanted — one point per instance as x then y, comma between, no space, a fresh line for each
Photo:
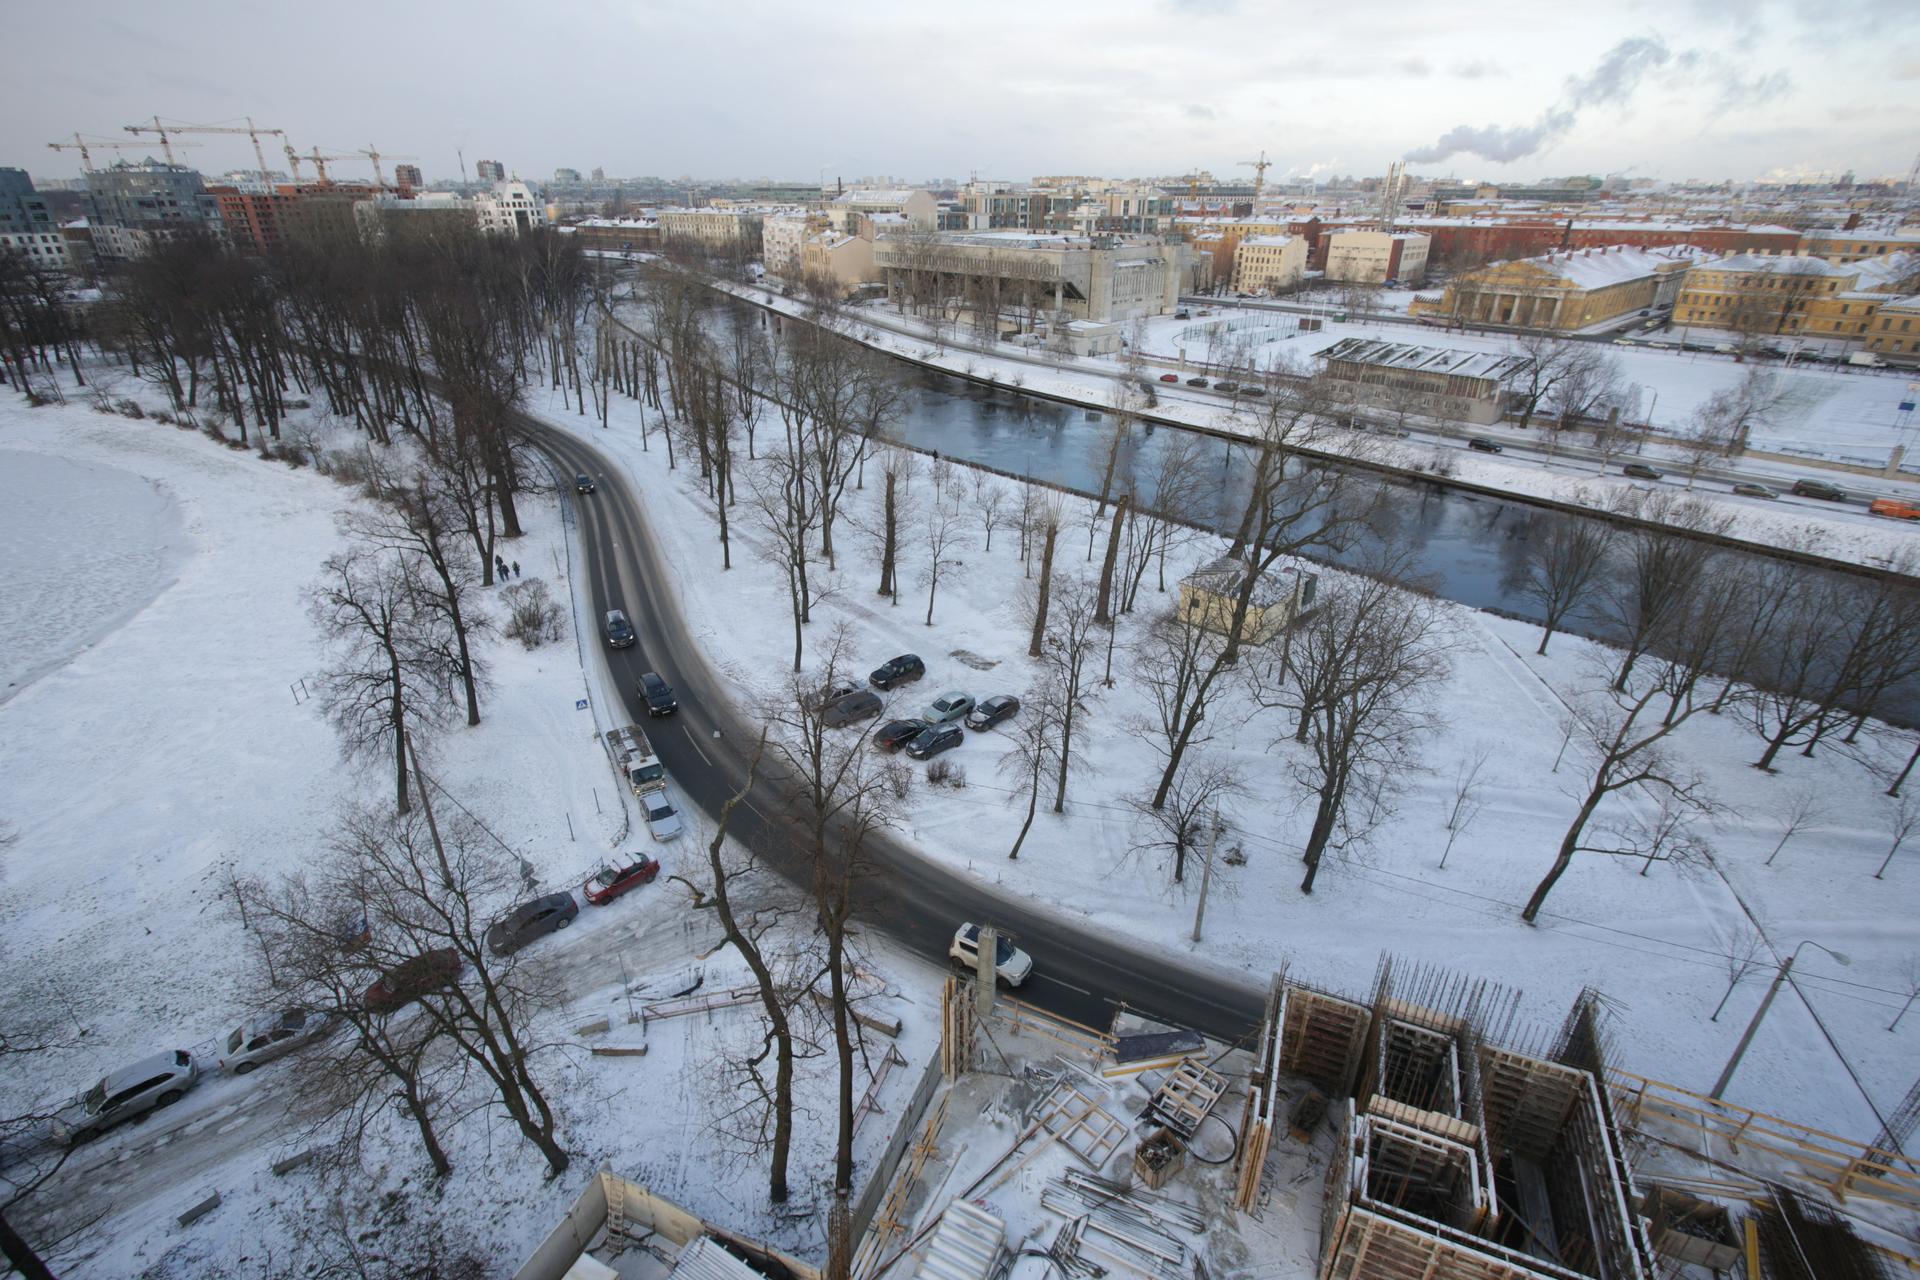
1259,168
165,128
321,161
374,155
86,147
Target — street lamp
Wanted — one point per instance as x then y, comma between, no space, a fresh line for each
1746,1038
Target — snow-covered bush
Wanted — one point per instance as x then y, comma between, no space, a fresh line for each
532,616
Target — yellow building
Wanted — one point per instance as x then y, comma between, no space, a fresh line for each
1760,296
1859,245
1896,330
1565,291
720,230
1208,596
847,260
1375,257
1269,264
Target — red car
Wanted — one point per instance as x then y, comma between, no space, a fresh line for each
612,881
1169,377
411,979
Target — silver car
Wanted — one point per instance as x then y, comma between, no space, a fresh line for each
159,1081
661,818
948,706
267,1039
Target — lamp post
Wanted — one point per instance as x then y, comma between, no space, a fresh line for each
1746,1038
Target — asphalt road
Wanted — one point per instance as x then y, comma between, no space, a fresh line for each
1079,973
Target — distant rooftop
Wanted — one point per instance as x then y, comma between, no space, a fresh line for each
1407,355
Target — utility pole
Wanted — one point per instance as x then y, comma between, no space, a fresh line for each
1206,879
426,804
1746,1037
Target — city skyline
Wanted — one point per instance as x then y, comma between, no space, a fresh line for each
1768,93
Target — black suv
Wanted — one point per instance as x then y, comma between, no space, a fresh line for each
658,695
1483,445
619,630
899,670
1819,489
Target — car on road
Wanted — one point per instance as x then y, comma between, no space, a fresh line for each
412,978
895,734
619,630
531,920
1010,964
658,695
1253,389
1228,387
861,704
934,739
991,711
662,819
948,706
1169,377
157,1081
907,667
1481,444
268,1038
1198,382
617,878
1748,489
583,484
1819,489
1641,471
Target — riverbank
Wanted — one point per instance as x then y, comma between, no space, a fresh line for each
1816,534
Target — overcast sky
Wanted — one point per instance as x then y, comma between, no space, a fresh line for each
1500,89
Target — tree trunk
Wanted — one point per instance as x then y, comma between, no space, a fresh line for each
890,539
1564,858
1103,613
17,1251
1033,803
1046,593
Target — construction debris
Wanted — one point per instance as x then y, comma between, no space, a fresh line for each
679,1007
1182,1103
1158,1157
967,1245
1149,1208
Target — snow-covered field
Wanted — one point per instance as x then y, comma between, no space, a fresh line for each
158,591
1841,532
1648,941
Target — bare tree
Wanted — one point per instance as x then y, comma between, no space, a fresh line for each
1743,947
1722,427
1179,829
1035,749
1801,807
1047,516
1469,797
943,537
385,678
783,502
1628,750
1564,560
1545,359
1663,569
1910,981
1588,383
1903,815
989,504
1068,646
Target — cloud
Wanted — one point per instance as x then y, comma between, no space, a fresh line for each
1194,111
1416,67
1907,69
1477,69
1207,8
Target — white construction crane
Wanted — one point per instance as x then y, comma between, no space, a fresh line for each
86,147
1259,168
164,128
374,155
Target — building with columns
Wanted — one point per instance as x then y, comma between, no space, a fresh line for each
1565,291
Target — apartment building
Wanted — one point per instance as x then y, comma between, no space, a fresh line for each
1269,264
714,230
1375,257
1097,279
1759,296
130,206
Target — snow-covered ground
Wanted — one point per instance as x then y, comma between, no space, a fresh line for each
1842,532
157,592
1649,941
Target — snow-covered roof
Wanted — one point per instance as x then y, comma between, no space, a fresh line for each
1616,264
886,195
1270,240
1780,266
1222,577
703,1258
1876,273
1408,355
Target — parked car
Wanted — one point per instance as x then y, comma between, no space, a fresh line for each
948,706
1748,489
1010,963
1820,489
658,695
662,819
158,1081
907,667
616,878
1894,508
1641,471
1169,377
259,1042
1482,444
1253,389
1197,382
832,693
619,630
862,704
992,711
934,739
895,734
413,978
531,920
1228,387
583,484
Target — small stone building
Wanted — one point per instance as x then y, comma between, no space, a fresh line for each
1208,595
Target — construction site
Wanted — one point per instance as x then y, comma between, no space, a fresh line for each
1421,1130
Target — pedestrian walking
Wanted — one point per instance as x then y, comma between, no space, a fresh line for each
516,568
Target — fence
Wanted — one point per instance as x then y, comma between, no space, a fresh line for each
904,1132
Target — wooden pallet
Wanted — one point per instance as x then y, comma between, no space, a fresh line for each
1187,1096
1082,1125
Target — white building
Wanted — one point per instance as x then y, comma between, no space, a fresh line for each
509,208
918,207
46,249
781,236
1269,264
1375,257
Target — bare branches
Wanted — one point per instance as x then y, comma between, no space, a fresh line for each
1469,796
1743,948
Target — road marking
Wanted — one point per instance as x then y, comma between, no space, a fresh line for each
695,744
1068,985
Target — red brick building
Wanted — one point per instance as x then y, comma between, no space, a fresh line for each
1471,242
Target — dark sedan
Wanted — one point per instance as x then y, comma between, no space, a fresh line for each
862,704
991,711
935,739
411,979
895,734
898,670
531,920
658,695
